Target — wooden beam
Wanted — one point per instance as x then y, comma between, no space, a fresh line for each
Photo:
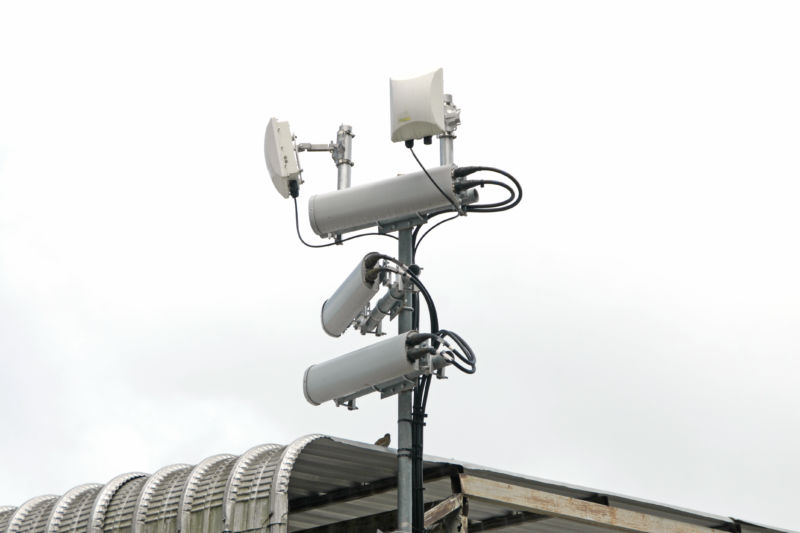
541,502
442,509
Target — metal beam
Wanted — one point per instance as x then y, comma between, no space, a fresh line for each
359,491
345,494
546,503
363,524
513,518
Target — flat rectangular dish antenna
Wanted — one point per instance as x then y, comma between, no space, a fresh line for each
280,155
417,107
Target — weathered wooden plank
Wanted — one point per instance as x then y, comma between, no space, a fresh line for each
442,509
537,501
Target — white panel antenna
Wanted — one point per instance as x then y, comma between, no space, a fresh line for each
280,155
417,107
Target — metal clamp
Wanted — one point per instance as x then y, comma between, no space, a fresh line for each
342,153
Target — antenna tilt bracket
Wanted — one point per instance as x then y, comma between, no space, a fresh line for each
452,117
308,147
340,152
407,222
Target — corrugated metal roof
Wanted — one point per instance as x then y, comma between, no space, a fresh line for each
314,482
71,512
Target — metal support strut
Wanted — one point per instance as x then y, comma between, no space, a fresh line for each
341,151
404,401
343,155
405,467
452,118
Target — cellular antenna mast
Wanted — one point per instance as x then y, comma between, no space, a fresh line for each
401,365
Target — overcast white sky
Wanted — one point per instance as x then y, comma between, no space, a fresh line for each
636,319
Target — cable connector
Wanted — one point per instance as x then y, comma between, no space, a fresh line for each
461,172
294,188
419,352
415,339
462,186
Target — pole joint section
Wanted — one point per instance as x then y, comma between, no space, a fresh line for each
342,154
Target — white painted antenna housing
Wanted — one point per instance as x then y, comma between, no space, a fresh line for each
417,107
280,155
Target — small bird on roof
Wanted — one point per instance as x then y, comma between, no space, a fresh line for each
384,441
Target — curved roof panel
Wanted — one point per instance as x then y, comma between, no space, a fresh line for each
119,511
322,483
31,516
156,509
249,482
209,468
6,512
71,511
97,517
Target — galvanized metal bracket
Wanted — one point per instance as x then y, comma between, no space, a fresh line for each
389,226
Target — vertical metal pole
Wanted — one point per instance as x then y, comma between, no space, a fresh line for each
404,402
446,149
343,155
405,399
452,120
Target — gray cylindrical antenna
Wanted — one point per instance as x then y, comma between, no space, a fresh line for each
363,370
369,204
339,311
